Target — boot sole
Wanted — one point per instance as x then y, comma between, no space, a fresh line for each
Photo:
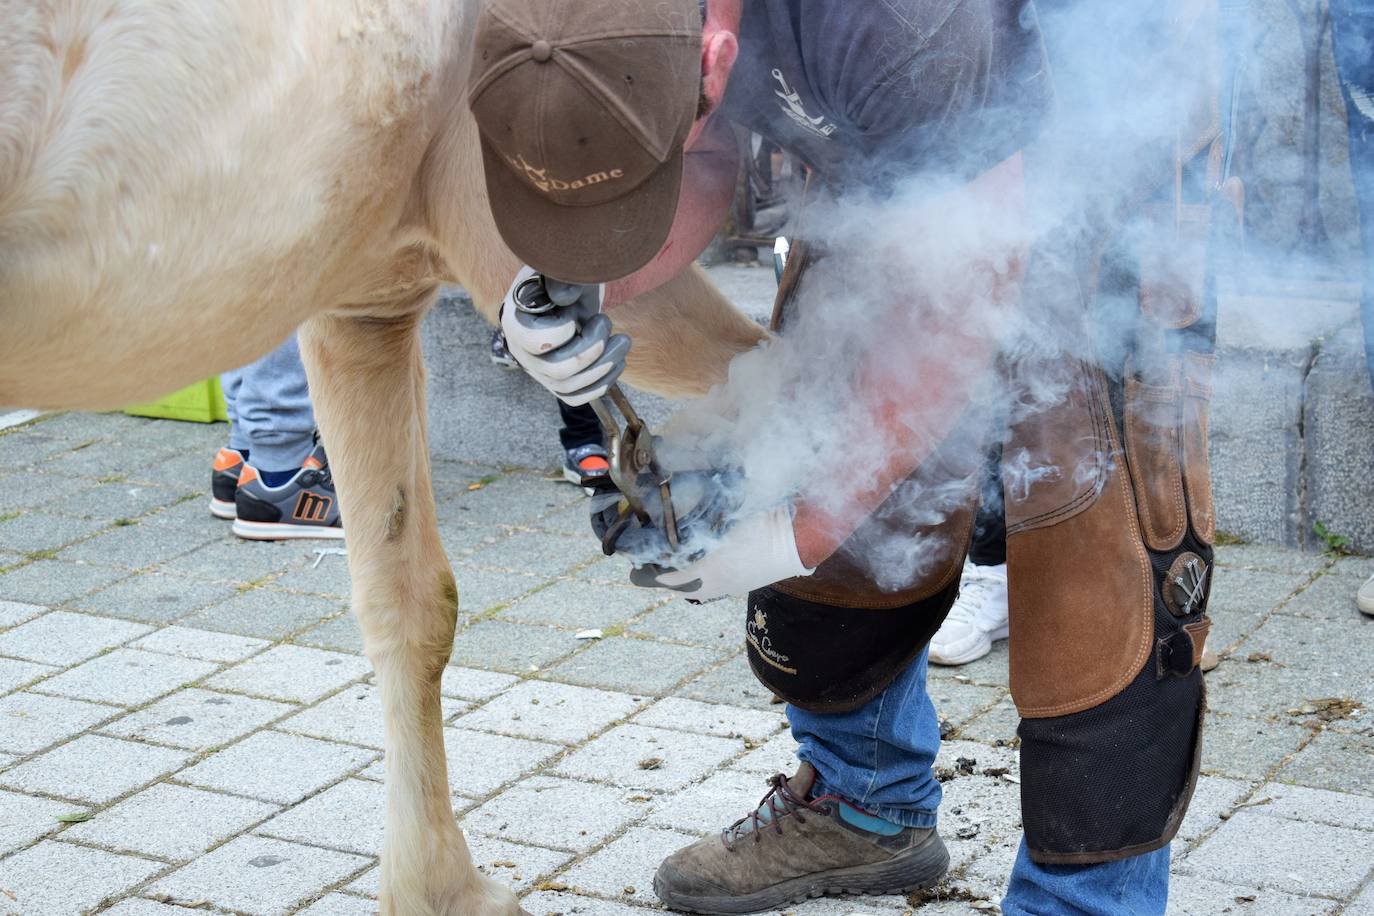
909,871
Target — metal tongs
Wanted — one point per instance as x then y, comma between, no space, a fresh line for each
634,468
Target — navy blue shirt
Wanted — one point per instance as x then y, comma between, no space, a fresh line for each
867,92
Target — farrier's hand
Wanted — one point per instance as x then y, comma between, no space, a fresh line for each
720,552
569,349
756,551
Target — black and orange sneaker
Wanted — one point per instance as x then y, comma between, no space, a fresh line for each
303,507
224,482
586,463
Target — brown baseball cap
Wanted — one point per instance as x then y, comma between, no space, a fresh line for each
583,108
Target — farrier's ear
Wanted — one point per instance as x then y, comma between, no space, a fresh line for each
718,53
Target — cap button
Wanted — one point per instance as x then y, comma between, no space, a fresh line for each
541,50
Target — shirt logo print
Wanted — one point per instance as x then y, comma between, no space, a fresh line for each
792,107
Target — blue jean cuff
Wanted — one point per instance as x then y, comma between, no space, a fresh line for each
279,455
920,818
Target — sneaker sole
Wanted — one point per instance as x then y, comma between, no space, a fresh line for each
978,650
281,531
221,508
1366,605
909,871
575,479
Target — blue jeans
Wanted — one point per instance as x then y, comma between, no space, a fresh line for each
1352,43
269,409
879,758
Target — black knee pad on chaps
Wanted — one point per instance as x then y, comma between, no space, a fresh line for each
1115,780
835,659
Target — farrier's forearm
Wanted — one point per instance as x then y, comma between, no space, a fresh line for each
912,392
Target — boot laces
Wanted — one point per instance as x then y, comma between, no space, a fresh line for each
779,802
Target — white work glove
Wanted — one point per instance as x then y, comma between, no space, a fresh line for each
758,551
569,349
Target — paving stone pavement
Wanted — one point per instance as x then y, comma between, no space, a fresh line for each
205,702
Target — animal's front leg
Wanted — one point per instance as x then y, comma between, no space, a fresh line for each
367,382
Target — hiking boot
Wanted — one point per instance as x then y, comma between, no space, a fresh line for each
1364,598
303,507
586,462
224,481
976,620
793,847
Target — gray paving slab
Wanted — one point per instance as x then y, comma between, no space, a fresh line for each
13,613
1363,905
27,818
1270,558
36,489
197,720
481,762
1255,850
1306,663
340,905
57,879
237,561
121,500
151,540
624,867
1190,895
170,822
711,719
275,767
127,677
1331,597
15,673
63,637
53,582
1334,760
518,865
292,673
1320,806
639,757
139,906
155,597
516,648
325,574
480,590
718,624
32,721
557,903
1242,598
536,552
265,613
42,531
706,807
634,665
340,634
93,769
731,683
353,716
202,644
558,813
551,712
1247,748
576,605
258,875
348,816
473,683
1214,798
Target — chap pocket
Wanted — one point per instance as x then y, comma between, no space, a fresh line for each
1153,419
1197,468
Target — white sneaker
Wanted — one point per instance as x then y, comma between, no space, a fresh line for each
1365,597
979,617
